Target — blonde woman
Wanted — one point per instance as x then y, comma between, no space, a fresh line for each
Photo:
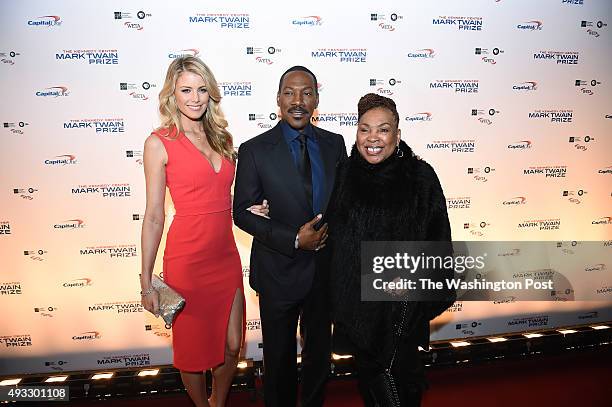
192,154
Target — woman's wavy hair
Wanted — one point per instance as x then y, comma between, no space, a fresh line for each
213,119
372,101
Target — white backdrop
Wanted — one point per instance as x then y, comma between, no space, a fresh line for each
508,100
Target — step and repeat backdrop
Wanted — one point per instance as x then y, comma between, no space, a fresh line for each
510,101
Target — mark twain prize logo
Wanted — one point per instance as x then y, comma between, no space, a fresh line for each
263,121
110,251
253,325
53,92
307,21
236,88
265,55
529,322
560,57
590,27
540,224
344,55
16,340
532,25
488,55
423,53
547,171
130,360
91,57
45,21
122,307
453,146
15,127
226,21
527,86
385,87
456,85
553,115
131,23
484,116
522,145
573,2
461,23
461,202
580,142
420,117
587,87
8,57
61,160
11,288
386,22
456,307
340,119
99,126
188,52
104,190
5,227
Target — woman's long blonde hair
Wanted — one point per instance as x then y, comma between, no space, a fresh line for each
213,119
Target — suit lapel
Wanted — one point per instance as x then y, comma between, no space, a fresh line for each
282,161
328,155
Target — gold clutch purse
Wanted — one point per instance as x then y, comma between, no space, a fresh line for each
170,302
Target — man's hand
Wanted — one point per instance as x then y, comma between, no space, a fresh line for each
311,239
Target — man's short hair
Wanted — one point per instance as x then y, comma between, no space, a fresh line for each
299,68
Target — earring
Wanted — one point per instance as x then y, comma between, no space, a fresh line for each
399,152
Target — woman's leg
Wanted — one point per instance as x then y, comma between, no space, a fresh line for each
224,374
195,383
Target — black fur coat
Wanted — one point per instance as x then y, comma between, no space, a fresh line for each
399,199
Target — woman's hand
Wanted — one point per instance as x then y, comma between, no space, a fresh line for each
150,301
260,210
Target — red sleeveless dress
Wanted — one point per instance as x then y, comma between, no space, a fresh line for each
201,260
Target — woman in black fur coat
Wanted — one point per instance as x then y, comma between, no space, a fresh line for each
382,192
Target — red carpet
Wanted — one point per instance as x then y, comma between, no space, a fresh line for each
572,379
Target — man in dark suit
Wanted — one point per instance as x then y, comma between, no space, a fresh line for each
293,166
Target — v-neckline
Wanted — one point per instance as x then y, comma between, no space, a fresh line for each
200,153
